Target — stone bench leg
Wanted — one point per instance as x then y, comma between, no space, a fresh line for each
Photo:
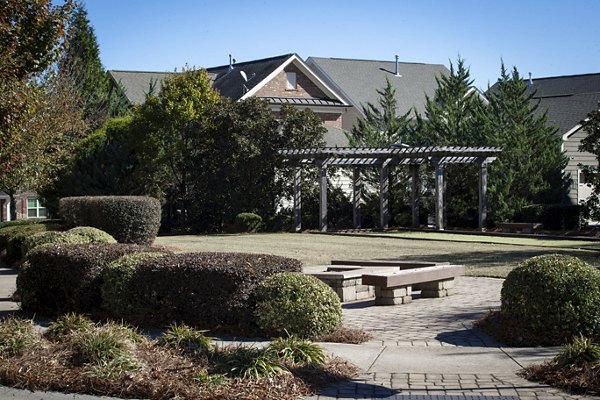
437,289
350,289
390,297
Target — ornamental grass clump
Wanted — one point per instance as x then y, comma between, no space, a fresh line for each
298,351
550,300
298,305
67,324
191,342
17,336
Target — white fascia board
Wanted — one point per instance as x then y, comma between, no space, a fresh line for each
302,66
573,130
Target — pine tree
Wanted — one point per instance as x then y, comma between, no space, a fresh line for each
451,117
81,64
591,144
529,169
381,126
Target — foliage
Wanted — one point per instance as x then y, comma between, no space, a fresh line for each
116,282
298,351
12,237
297,304
92,235
529,169
381,126
591,144
17,336
101,164
247,222
61,279
80,62
552,299
50,238
199,289
129,219
577,353
250,363
67,324
190,341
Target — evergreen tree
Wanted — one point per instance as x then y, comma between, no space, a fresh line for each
452,117
381,126
529,169
99,97
591,144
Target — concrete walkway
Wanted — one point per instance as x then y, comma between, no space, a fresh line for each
425,350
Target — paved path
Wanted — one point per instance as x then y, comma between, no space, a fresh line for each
425,350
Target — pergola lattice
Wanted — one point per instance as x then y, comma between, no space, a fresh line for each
384,158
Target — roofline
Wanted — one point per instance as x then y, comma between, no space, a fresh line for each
236,64
366,60
563,76
573,130
305,69
348,99
145,72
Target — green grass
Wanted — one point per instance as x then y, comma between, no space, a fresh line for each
480,258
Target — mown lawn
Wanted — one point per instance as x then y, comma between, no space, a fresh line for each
481,257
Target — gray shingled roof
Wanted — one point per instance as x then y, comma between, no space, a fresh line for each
358,80
567,100
137,83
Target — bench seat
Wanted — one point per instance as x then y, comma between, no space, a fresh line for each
395,287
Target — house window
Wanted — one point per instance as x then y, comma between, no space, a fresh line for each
35,208
291,81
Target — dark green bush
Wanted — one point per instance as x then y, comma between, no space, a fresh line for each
552,299
199,289
129,219
60,279
49,238
247,222
13,236
297,304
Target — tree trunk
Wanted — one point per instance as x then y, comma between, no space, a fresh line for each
13,206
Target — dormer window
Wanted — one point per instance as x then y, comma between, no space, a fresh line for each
291,81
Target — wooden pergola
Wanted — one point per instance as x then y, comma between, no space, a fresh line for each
384,158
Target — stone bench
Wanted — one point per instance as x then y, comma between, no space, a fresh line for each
400,264
346,280
395,287
523,227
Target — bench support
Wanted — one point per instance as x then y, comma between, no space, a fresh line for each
393,296
437,289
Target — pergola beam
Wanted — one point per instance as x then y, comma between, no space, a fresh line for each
385,158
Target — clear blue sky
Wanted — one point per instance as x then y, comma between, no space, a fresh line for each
546,38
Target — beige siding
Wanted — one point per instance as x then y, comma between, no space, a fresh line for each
571,148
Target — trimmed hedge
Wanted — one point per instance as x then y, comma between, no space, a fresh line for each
550,299
200,289
13,236
297,304
67,278
129,219
79,235
247,222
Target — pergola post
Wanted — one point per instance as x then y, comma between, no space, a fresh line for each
439,195
414,172
483,171
384,194
356,196
323,197
297,199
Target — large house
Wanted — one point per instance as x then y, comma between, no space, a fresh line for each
567,100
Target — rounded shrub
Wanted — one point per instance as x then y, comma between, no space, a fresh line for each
211,290
297,304
58,279
247,222
49,238
92,235
129,219
13,236
550,299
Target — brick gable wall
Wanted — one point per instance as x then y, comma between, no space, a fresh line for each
276,87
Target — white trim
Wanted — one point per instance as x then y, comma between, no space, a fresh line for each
305,70
573,130
314,107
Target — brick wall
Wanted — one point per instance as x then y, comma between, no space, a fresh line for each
276,87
